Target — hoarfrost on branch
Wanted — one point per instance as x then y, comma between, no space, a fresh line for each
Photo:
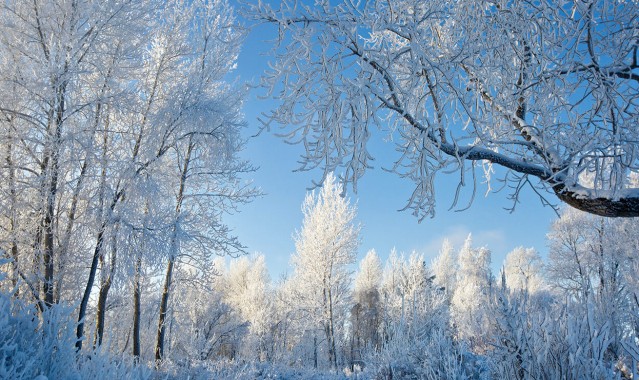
547,90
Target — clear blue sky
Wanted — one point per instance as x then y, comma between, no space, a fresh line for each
268,223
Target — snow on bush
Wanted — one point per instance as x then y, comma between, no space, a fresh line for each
42,346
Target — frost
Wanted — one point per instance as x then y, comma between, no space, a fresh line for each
520,86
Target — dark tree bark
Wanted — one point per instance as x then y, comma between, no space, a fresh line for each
94,268
87,290
159,347
136,308
52,169
623,207
13,222
105,285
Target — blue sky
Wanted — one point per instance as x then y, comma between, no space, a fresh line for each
268,223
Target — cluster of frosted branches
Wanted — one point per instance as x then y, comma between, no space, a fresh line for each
547,91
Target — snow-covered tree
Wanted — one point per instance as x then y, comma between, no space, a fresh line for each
288,326
366,312
445,268
247,289
369,275
407,290
203,325
415,313
523,269
545,90
198,42
472,293
325,247
60,61
120,129
587,254
591,261
71,65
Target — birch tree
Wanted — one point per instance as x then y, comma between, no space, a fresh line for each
325,246
203,45
531,94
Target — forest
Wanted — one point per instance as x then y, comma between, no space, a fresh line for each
122,127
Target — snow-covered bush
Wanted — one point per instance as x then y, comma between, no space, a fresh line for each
233,370
433,356
32,345
99,365
555,341
42,345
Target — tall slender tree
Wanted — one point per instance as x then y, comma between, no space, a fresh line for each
206,182
325,247
472,294
366,312
445,268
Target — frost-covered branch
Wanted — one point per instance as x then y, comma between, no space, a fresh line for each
546,90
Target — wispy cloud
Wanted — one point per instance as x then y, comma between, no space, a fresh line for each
493,239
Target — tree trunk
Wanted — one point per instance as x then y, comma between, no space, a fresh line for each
315,352
52,191
94,267
47,284
87,290
329,330
13,222
48,241
136,309
137,289
105,285
159,347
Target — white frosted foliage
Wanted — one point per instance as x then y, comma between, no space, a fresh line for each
471,297
370,272
445,267
325,247
523,269
246,288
